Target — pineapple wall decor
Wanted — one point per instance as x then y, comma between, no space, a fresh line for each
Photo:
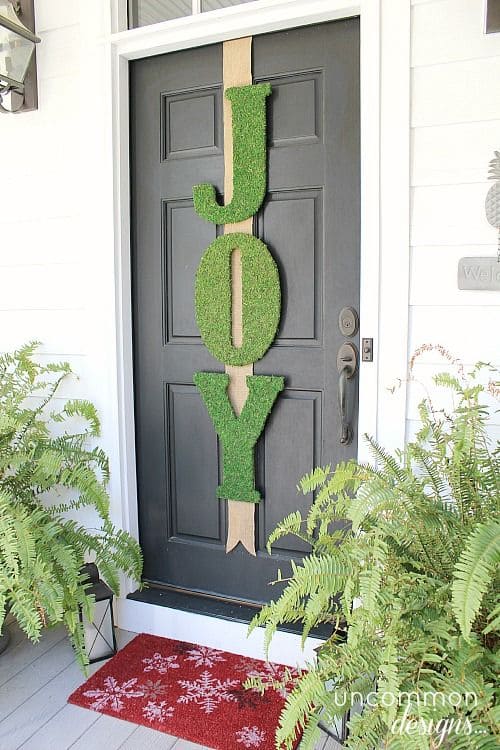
493,198
238,296
484,273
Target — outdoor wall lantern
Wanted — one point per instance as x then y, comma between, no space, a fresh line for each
100,640
18,85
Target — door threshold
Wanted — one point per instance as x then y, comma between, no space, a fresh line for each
165,614
211,606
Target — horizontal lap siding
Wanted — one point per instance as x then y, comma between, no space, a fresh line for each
42,272
54,250
455,127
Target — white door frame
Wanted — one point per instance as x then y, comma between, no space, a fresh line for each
385,151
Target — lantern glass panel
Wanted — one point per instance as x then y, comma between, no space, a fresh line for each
15,55
99,634
17,43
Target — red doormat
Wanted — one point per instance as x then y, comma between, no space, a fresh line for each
189,691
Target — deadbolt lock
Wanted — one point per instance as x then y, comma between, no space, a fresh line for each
348,321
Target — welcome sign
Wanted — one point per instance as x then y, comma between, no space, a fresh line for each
479,274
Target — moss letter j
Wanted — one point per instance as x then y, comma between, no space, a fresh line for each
238,435
248,105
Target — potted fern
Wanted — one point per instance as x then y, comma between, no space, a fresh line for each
50,473
412,579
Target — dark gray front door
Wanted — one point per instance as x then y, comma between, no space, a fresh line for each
310,222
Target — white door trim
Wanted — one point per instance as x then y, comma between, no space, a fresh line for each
385,156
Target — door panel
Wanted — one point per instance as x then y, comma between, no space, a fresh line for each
310,222
186,235
185,409
293,439
291,221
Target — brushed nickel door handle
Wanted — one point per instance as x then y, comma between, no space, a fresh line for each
347,363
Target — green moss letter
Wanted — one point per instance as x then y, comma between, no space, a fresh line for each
238,434
261,299
248,104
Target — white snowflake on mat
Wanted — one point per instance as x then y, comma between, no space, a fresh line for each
158,711
160,663
112,695
250,736
245,665
204,656
207,691
273,674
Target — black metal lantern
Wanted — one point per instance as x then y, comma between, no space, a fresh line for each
100,639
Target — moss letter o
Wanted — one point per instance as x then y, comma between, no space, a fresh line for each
261,299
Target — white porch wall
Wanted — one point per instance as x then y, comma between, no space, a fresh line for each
455,127
56,254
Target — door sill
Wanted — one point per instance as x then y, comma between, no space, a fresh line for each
140,612
210,606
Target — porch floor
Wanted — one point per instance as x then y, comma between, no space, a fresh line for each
35,681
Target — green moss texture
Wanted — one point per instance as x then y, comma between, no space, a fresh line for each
261,299
248,105
238,435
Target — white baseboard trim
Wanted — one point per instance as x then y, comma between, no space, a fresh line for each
140,617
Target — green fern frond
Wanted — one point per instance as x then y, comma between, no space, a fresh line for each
493,621
370,578
311,482
292,524
41,552
87,411
410,587
474,573
389,465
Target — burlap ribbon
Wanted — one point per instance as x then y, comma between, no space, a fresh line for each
237,71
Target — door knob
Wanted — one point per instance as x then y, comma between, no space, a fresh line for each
347,363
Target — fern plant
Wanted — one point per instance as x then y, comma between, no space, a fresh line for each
404,564
47,473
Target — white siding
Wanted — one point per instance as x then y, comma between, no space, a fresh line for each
41,290
455,127
54,255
